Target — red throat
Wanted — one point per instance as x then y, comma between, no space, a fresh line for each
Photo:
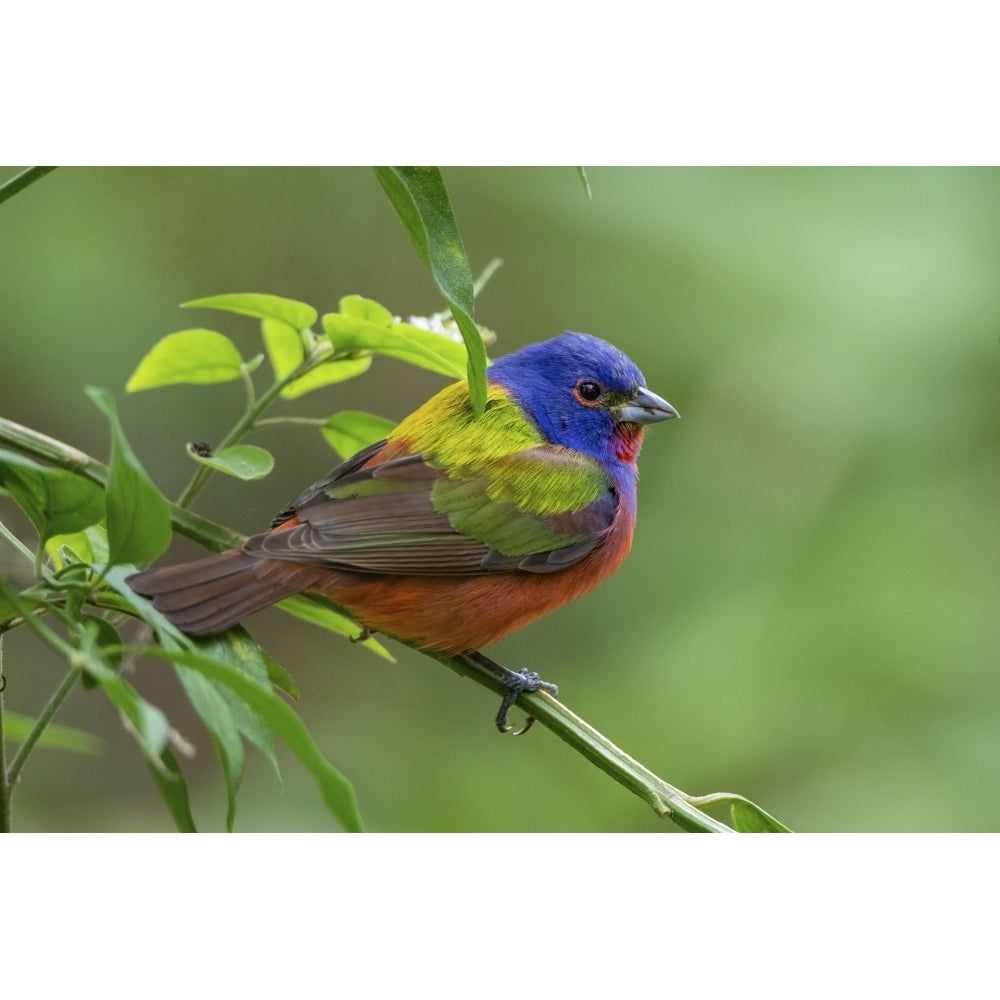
628,440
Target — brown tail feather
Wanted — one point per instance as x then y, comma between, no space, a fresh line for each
209,595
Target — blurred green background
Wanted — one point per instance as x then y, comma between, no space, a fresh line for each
809,613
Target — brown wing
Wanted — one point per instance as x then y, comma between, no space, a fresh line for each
386,518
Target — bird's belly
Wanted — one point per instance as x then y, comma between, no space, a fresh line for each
463,614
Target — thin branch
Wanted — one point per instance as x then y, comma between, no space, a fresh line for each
40,446
58,697
249,419
5,789
666,801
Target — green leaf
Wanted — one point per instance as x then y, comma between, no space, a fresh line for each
55,737
366,309
284,346
335,788
145,721
138,514
280,677
141,607
421,201
20,181
197,357
750,818
56,501
101,636
296,314
287,351
88,546
585,181
8,609
237,649
173,788
319,611
215,712
408,343
325,374
244,461
349,431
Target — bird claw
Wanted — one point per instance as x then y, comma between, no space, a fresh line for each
363,636
516,682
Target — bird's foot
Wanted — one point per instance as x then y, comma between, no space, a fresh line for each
363,636
515,682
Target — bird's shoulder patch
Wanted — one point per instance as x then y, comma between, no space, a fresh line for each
446,431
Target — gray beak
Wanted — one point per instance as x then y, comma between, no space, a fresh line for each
644,407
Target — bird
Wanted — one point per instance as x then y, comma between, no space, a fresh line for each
456,529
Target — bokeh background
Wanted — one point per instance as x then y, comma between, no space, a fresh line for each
809,614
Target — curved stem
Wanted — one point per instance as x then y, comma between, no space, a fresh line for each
5,788
248,420
289,422
666,801
58,697
40,446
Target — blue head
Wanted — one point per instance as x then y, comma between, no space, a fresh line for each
583,393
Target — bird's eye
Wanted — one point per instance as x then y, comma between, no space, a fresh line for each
588,391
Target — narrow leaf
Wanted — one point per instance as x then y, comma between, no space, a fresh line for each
408,343
198,357
55,737
237,649
328,373
366,309
284,346
56,501
102,639
280,677
170,781
138,514
585,181
244,461
20,181
316,609
750,818
421,201
142,607
8,609
145,721
335,788
296,314
349,431
215,712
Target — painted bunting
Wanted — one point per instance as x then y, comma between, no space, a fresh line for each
455,530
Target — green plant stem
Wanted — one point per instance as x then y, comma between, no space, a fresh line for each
58,697
9,776
15,543
5,788
22,180
248,421
46,449
666,800
289,422
484,276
